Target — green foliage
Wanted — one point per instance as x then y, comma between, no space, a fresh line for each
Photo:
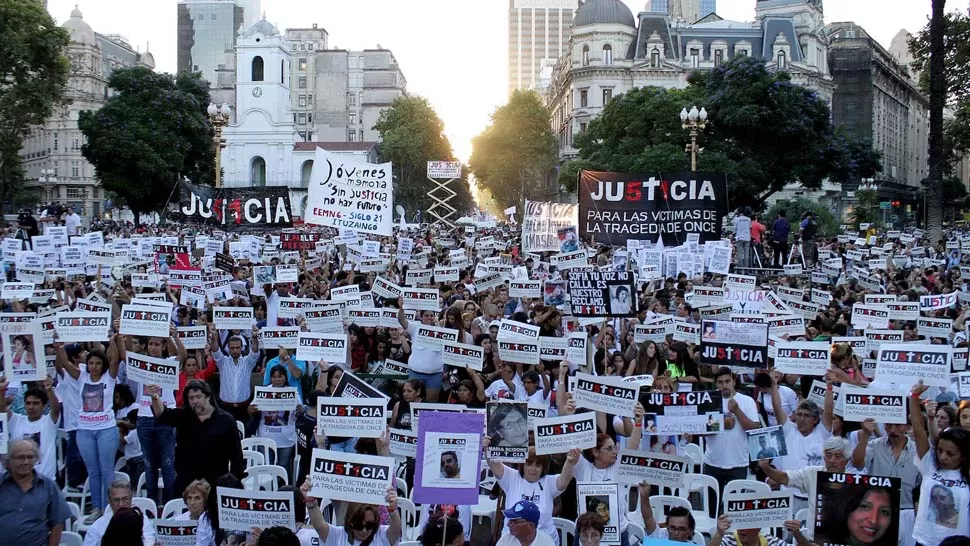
411,135
34,70
828,225
516,152
152,132
763,131
866,209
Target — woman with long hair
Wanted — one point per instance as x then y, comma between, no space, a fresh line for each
860,517
97,434
648,360
124,529
680,365
944,505
412,391
209,532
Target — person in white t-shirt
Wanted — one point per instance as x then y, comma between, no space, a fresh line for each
523,526
726,456
36,426
680,522
362,522
425,364
73,222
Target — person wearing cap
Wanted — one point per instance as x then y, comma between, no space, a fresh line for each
523,524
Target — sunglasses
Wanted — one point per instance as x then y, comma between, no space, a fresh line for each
361,525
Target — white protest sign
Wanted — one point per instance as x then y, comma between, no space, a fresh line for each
279,337
314,347
885,406
350,477
137,320
560,434
434,337
350,195
519,350
17,291
403,443
233,318
276,399
243,509
80,327
802,357
758,510
193,337
869,317
351,417
421,299
462,355
149,370
907,363
175,532
660,469
607,394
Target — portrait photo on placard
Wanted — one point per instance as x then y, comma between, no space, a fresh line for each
568,239
507,427
622,300
766,443
856,509
23,356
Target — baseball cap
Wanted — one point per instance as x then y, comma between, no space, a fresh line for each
525,510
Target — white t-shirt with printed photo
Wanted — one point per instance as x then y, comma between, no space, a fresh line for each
944,503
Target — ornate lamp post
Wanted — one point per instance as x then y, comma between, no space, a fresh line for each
48,180
695,122
219,117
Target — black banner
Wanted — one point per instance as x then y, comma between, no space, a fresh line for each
225,262
236,209
614,207
299,241
595,294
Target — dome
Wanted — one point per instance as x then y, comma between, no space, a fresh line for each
600,12
81,32
262,27
148,60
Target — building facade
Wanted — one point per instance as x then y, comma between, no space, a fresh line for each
56,145
538,29
877,100
611,52
689,11
264,146
207,33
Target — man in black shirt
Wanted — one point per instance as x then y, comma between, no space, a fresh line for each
206,438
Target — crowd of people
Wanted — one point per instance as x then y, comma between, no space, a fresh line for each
79,431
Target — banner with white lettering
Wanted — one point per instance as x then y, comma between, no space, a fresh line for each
403,443
149,370
350,477
192,337
233,318
907,363
276,399
434,337
520,351
758,510
607,394
541,225
243,509
350,195
314,347
697,412
869,317
237,208
421,299
280,337
81,327
351,417
175,532
560,434
737,345
802,357
615,207
462,355
660,469
137,320
878,492
885,406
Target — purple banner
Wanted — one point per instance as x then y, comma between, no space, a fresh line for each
449,457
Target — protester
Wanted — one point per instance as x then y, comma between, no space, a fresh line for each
361,525
753,537
119,500
32,508
726,457
196,495
680,522
36,425
523,526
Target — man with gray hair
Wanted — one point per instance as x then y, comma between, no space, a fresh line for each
806,430
32,508
836,453
119,496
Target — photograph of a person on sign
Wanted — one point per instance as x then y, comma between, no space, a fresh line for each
621,301
508,424
450,466
568,240
22,353
710,331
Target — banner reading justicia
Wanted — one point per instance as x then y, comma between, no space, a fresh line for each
236,209
614,207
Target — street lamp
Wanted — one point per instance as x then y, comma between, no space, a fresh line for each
48,180
219,116
695,122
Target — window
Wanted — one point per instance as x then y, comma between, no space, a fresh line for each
607,54
583,98
607,96
718,57
309,118
302,64
310,47
309,99
585,55
352,118
257,171
360,135
305,171
257,69
302,101
352,135
782,59
301,119
352,99
655,58
212,17
55,142
74,144
582,127
741,52
302,47
75,169
293,47
302,82
695,58
75,193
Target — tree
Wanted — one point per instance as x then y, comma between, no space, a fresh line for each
866,209
794,208
34,70
517,151
411,135
934,190
763,131
149,135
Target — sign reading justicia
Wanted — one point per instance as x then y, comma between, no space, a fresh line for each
614,207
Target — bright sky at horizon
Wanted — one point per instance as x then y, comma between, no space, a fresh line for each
452,52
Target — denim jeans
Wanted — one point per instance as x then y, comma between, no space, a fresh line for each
284,458
98,448
158,449
73,463
347,446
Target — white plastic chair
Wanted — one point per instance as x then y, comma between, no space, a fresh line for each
142,489
82,498
241,428
661,504
699,539
121,476
409,517
566,529
264,476
745,486
635,532
704,486
401,486
70,524
173,508
693,453
253,458
70,538
264,446
296,466
147,507
120,464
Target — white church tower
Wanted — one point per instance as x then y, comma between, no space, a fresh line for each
259,150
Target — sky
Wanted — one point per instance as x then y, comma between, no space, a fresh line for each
453,52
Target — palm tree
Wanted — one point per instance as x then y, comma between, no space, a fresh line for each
934,190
